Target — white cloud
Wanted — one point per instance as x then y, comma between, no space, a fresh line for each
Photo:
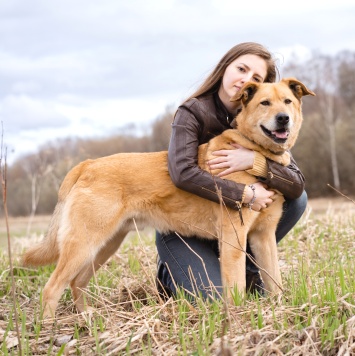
86,67
22,113
72,116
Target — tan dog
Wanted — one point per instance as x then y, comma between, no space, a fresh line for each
99,200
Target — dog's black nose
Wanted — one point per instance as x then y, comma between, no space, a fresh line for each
282,119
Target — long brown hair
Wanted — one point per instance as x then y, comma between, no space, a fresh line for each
213,81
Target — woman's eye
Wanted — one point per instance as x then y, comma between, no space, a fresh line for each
265,103
288,101
241,69
256,79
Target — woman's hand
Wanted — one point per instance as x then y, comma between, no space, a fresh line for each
239,159
263,196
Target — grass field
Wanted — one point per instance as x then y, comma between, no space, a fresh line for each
314,316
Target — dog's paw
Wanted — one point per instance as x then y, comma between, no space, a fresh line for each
48,314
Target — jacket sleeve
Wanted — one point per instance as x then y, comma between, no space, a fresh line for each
288,180
183,163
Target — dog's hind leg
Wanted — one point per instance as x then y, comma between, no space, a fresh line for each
75,254
66,270
80,282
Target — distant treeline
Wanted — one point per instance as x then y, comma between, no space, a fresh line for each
325,149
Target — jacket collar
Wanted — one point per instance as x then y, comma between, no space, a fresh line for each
223,115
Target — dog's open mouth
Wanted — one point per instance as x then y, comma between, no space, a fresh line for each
279,136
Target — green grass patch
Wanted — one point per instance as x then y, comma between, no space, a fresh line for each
314,315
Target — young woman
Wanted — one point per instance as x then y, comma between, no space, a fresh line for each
193,263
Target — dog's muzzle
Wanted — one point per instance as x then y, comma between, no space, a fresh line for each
281,132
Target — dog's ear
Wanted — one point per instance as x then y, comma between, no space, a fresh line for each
298,88
246,93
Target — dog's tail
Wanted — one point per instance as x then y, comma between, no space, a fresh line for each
47,251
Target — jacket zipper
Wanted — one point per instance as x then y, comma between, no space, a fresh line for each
272,175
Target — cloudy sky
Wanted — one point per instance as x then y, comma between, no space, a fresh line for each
92,68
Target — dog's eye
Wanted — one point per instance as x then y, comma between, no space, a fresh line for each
288,101
265,103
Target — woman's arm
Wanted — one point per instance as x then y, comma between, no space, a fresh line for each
288,180
183,163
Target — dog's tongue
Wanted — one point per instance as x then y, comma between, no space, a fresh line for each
280,133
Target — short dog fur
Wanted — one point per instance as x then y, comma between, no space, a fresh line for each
99,201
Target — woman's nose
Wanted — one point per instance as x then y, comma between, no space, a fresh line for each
247,77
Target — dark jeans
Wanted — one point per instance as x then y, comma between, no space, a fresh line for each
192,263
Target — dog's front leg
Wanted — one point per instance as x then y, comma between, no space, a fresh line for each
264,247
232,257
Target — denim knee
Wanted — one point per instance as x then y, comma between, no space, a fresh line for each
293,210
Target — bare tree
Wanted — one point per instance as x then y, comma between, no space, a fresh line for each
161,130
346,79
322,75
36,168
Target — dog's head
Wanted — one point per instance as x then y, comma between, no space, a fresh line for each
271,113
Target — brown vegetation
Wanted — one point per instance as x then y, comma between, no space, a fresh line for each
314,316
325,149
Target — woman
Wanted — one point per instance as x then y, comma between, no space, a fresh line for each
192,263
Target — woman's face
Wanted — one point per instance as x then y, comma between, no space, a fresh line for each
246,68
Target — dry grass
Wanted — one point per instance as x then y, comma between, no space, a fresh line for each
21,226
314,316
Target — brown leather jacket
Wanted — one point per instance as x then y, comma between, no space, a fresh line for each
196,122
